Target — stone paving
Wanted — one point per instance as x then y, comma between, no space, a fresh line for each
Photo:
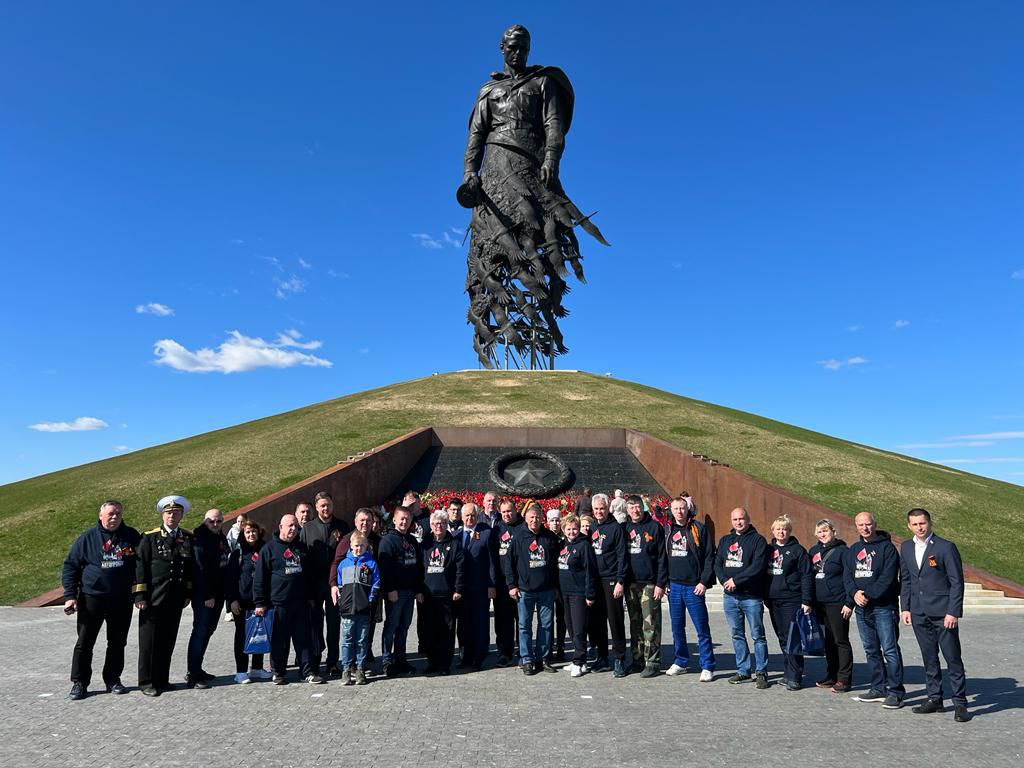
497,717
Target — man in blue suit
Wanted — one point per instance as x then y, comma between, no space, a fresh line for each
478,577
932,597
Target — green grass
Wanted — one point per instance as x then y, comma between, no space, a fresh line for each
228,468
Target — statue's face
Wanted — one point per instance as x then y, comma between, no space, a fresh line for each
516,51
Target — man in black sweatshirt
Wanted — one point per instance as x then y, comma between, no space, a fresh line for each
97,579
647,582
740,563
284,582
872,578
401,581
691,571
321,534
210,574
506,619
609,544
531,574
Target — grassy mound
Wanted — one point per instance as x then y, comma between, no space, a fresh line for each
40,517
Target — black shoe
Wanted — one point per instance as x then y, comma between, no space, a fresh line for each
892,702
637,665
195,681
464,664
620,669
78,692
826,683
761,681
529,670
651,670
739,678
792,685
961,715
549,668
151,690
116,688
600,664
279,680
931,705
391,670
334,673
204,675
503,661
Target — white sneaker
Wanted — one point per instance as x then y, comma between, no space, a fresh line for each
241,678
575,671
584,669
260,674
675,669
706,676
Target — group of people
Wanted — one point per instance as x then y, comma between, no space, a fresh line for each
579,575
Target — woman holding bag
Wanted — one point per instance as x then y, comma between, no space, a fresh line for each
833,606
790,590
243,565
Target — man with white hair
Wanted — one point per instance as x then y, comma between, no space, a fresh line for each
609,544
163,587
210,583
97,581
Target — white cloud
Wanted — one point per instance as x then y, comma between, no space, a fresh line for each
335,273
834,365
854,328
120,448
239,354
989,460
1018,275
949,444
81,424
901,324
289,287
305,264
273,261
452,241
160,310
290,338
991,436
427,241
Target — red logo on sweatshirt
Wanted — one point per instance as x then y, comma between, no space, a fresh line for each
533,546
733,547
677,536
288,554
862,554
255,556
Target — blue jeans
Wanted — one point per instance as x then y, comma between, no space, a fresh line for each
396,625
879,629
355,640
544,604
204,624
680,600
752,610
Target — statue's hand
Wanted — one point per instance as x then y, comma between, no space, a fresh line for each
549,173
472,180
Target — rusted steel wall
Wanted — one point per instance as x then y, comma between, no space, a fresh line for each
364,481
718,490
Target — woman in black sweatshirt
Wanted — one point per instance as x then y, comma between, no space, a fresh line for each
833,606
577,577
790,590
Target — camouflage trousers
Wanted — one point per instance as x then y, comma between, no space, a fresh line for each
644,623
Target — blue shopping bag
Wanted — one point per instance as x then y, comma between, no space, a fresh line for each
257,632
812,639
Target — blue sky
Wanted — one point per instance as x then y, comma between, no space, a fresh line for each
815,212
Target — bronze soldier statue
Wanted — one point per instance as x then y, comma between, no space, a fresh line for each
523,222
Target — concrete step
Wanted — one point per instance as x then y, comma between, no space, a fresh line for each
1015,609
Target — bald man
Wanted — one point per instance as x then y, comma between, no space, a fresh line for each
210,582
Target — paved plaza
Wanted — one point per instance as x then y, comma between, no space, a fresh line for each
497,717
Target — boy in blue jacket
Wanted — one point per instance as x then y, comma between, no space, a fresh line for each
358,582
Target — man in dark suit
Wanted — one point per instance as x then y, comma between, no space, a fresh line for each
478,578
932,598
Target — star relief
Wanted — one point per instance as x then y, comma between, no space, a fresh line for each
530,472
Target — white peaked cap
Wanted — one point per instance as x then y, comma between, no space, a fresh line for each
171,501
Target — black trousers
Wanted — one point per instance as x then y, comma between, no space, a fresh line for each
838,651
932,637
438,630
783,614
608,612
92,612
574,608
291,626
158,632
242,659
325,612
506,623
558,638
475,626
